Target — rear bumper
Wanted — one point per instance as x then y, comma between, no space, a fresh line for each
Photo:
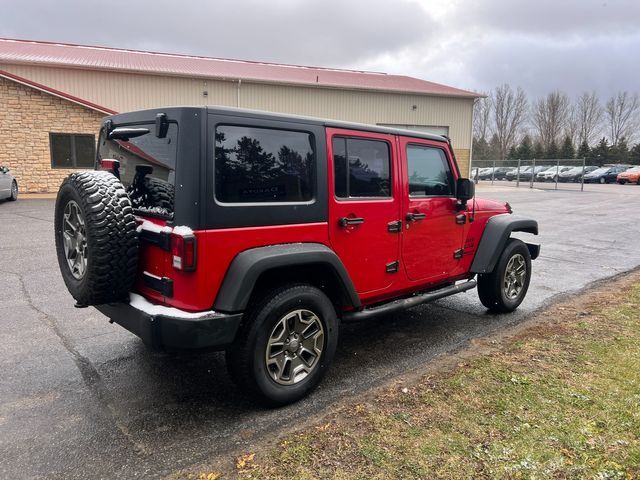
163,327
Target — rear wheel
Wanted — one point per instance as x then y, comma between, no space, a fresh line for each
14,191
603,180
504,289
286,344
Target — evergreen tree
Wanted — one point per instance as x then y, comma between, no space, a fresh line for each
513,153
583,150
634,155
538,150
600,153
525,149
619,153
480,149
567,150
552,152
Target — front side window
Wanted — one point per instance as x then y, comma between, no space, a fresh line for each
71,150
362,168
260,165
428,171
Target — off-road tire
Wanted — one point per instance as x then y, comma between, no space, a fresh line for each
246,356
111,237
154,193
491,285
14,192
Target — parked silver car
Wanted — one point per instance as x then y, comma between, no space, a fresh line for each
8,185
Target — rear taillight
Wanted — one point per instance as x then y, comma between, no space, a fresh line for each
183,252
110,165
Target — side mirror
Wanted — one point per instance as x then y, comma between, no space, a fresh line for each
465,190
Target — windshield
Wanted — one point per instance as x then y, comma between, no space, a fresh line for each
599,171
147,168
634,169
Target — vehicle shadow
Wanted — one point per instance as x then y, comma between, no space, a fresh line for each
182,397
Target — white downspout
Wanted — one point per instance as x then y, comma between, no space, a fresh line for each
238,100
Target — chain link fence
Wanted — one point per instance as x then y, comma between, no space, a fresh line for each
544,174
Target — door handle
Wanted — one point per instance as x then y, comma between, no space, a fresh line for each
346,221
414,217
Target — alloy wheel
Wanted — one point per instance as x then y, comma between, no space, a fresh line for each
514,277
294,347
74,238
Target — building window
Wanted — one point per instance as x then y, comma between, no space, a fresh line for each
263,165
362,168
72,150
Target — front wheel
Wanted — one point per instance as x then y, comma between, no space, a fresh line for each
603,180
504,289
286,344
14,191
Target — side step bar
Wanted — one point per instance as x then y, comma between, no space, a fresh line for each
400,305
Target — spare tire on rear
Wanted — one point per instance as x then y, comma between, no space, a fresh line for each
96,238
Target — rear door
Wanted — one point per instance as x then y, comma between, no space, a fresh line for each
364,207
147,170
432,237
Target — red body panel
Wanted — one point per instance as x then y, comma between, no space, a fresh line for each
424,249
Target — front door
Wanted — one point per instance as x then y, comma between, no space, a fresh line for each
364,207
432,237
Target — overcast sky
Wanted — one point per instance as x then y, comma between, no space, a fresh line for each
571,45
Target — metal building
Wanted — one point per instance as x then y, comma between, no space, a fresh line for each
53,95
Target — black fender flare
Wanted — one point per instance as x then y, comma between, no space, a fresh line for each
247,266
495,236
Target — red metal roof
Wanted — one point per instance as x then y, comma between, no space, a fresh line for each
104,58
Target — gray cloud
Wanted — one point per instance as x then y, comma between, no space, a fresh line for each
310,32
572,45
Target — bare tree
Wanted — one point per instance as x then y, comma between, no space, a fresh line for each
621,113
588,117
481,118
551,116
509,114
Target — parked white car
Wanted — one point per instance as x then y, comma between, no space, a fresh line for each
8,185
549,175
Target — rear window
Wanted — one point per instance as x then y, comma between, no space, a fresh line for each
147,168
263,165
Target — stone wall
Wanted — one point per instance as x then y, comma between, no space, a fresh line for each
27,116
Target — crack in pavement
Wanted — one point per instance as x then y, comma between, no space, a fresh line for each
89,373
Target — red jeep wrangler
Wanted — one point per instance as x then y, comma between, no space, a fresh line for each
259,233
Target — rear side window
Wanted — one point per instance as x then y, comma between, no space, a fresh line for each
428,171
362,168
147,168
262,165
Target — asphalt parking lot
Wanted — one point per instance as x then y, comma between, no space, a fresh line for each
81,398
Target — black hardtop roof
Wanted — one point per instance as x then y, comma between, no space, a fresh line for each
149,115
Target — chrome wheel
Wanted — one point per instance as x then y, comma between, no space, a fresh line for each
514,276
294,347
74,239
